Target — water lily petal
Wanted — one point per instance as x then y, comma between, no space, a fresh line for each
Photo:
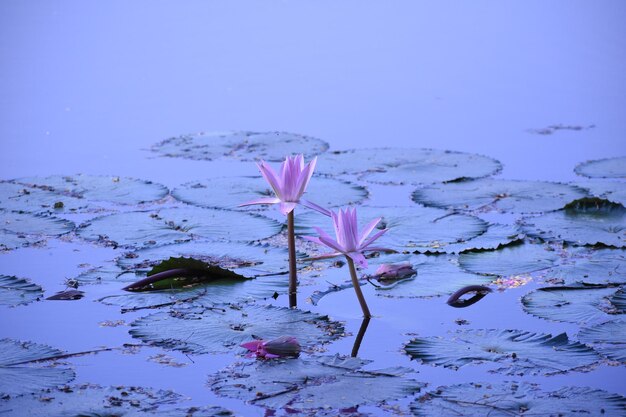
358,258
270,176
368,229
286,207
264,200
252,346
372,239
305,176
331,244
313,206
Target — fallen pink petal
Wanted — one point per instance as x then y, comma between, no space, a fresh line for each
395,271
281,347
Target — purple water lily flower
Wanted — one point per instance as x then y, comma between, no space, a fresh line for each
349,241
281,347
288,185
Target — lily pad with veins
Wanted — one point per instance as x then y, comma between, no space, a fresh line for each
421,229
17,291
510,260
589,221
612,191
94,400
97,188
505,399
407,166
500,195
19,229
23,370
175,225
572,304
244,146
607,339
513,352
304,385
201,329
603,168
595,266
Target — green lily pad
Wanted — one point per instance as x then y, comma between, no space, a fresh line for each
222,291
506,399
607,339
110,189
407,166
248,260
420,229
592,266
496,236
17,291
513,351
327,383
244,146
612,191
603,168
174,225
107,274
18,197
93,400
436,276
204,330
230,192
589,221
22,373
571,304
19,229
510,260
499,195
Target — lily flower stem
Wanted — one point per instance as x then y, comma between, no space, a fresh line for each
359,337
357,288
293,277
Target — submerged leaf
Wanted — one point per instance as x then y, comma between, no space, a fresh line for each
306,384
514,351
244,146
603,168
17,291
220,331
589,221
500,195
21,372
506,399
173,225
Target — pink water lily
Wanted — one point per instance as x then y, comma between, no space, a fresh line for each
284,346
349,241
289,184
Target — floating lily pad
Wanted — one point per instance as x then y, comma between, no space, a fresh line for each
593,266
108,274
21,229
613,191
588,221
16,291
513,351
421,229
500,195
510,260
244,146
607,338
571,304
220,291
93,400
111,189
203,330
21,372
506,399
496,236
229,192
19,197
146,229
436,276
305,384
603,168
248,260
408,166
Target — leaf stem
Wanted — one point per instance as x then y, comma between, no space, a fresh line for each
357,288
293,277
